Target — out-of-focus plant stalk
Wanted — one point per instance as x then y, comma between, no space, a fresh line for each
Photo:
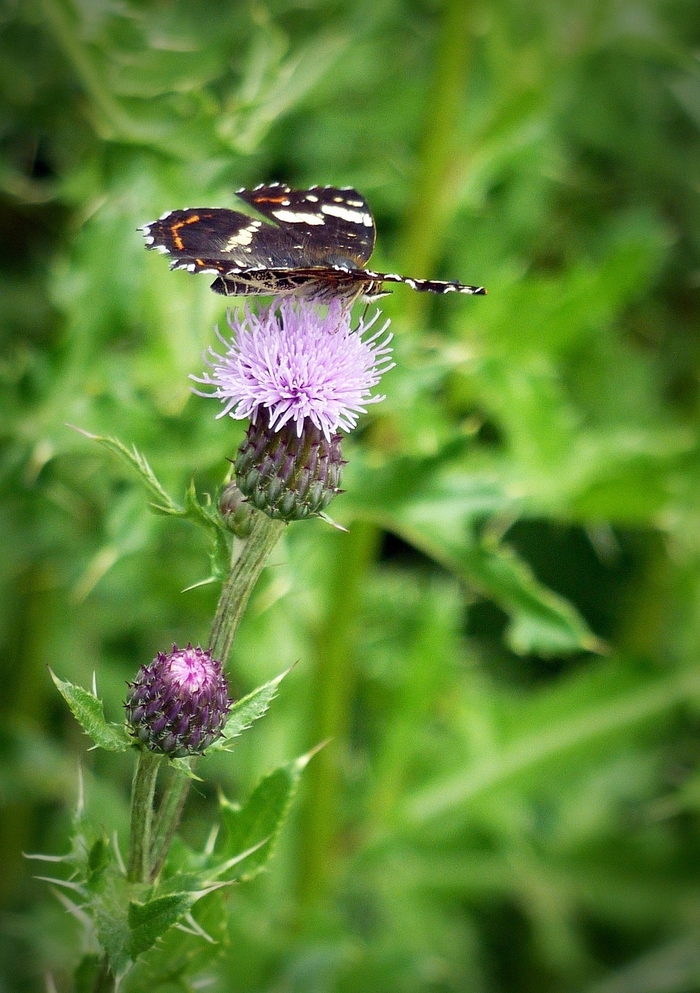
430,196
330,705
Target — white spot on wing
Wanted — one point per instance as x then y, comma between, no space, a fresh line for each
353,216
292,217
242,237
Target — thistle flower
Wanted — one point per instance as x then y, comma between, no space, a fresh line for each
178,704
299,365
301,375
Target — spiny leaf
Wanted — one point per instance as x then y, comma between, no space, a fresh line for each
247,710
88,710
149,921
137,461
180,953
260,820
193,510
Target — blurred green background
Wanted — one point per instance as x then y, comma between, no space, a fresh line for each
504,647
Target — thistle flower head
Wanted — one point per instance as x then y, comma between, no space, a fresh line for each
178,704
299,365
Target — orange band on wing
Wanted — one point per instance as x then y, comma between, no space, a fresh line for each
179,244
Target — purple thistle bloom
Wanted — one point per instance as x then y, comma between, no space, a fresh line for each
178,704
299,365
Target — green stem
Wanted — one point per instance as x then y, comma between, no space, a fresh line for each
330,707
151,838
167,819
104,980
240,582
142,792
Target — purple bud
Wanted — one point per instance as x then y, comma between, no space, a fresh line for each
178,704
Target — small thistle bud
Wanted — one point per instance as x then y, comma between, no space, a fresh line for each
288,476
178,704
235,510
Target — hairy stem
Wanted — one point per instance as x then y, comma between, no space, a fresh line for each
142,792
240,581
167,819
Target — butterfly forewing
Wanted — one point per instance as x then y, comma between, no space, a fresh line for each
335,225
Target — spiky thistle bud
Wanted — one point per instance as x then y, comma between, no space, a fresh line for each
287,476
235,510
178,704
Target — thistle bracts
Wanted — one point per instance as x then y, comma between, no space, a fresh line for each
287,476
236,513
178,704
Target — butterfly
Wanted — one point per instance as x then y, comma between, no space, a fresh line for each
313,243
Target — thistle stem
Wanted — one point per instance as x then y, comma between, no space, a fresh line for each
104,981
142,792
151,836
167,819
240,581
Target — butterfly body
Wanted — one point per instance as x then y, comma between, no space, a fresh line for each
313,243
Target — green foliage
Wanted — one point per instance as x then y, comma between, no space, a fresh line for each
246,711
503,649
258,823
88,710
128,919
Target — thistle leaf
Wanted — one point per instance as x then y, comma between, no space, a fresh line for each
246,711
88,710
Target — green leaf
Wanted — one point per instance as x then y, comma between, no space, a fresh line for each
260,820
193,510
213,524
181,953
88,710
247,710
164,503
540,620
582,715
149,921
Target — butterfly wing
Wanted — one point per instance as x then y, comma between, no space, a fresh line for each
335,226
